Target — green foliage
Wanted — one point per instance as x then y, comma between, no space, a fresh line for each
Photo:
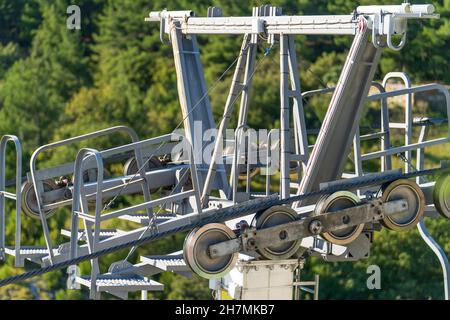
57,83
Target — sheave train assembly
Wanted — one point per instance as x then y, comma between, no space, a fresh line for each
320,209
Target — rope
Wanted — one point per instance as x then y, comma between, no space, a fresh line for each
220,215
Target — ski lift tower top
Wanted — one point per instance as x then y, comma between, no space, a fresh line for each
383,20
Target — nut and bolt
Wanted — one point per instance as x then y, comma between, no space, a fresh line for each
315,227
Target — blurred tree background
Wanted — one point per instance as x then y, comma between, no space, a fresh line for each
56,83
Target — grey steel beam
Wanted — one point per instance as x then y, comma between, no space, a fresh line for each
237,86
339,126
193,96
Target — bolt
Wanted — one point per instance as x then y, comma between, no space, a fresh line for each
251,243
315,227
283,235
345,219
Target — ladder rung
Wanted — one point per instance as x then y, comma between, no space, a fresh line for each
188,52
8,195
85,216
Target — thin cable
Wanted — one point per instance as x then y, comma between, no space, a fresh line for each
220,215
149,226
213,87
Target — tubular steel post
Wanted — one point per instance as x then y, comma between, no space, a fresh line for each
17,197
440,255
408,111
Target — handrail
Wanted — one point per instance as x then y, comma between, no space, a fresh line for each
3,195
390,94
386,162
38,187
414,146
78,202
408,110
79,208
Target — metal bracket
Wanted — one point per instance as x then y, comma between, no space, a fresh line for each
252,239
73,272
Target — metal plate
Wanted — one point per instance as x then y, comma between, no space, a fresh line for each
272,217
29,202
196,252
335,202
411,192
441,195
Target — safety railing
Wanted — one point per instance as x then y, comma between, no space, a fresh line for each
408,126
81,210
38,178
7,195
387,151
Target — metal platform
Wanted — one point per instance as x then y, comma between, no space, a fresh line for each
104,234
33,254
143,219
172,262
122,285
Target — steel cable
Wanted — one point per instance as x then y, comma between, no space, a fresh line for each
221,215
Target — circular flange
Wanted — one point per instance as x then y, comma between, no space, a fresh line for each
187,240
339,201
131,167
29,202
196,252
272,217
441,195
408,190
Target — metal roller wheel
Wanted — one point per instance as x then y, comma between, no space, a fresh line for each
272,217
196,252
131,168
335,202
408,190
187,240
29,202
441,195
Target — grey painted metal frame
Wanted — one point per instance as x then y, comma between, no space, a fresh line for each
17,197
193,95
38,186
80,209
408,126
342,119
237,87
